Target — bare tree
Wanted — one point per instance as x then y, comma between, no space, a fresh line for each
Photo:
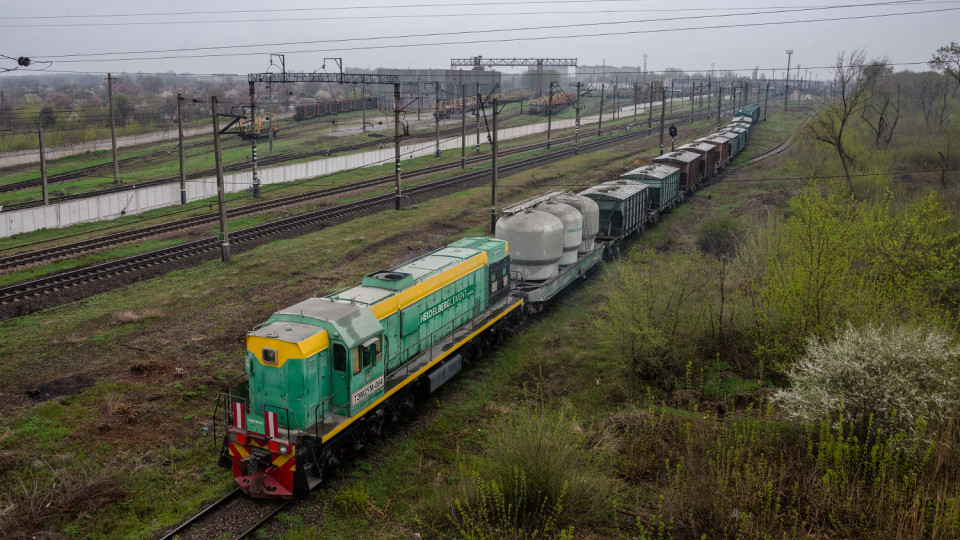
853,83
882,112
934,90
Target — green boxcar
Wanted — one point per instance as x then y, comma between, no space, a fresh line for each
663,182
750,111
623,207
741,133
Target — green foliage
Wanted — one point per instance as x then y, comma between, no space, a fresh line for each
655,303
536,480
885,381
503,511
351,501
719,235
543,453
836,260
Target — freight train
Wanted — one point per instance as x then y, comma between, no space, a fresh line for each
543,104
447,107
325,376
314,109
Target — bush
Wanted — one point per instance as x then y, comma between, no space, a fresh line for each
537,476
886,381
351,501
719,235
657,311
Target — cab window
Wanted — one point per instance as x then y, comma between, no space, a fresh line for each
339,358
356,360
370,352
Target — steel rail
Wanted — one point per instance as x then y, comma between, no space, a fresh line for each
216,504
66,250
135,264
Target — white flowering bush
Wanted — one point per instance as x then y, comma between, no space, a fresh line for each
888,381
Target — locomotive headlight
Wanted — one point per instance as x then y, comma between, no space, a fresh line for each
278,447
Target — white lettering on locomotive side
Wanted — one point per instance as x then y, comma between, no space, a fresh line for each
446,304
368,390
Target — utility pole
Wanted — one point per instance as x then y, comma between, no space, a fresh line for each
436,106
224,237
476,113
43,167
183,176
270,131
493,194
363,107
253,141
701,96
766,100
549,115
671,94
634,101
463,124
113,130
650,105
396,142
709,94
600,123
663,111
616,103
719,103
786,82
576,125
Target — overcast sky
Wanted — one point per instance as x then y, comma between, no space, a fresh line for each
73,35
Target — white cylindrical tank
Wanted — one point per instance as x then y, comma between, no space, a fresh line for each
535,241
572,227
591,217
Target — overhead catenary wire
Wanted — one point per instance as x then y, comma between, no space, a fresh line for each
430,15
87,56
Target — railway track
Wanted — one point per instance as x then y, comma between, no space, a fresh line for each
267,511
107,168
69,285
74,249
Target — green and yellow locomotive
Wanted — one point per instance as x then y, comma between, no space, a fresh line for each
324,375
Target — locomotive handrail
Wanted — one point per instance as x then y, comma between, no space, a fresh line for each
323,414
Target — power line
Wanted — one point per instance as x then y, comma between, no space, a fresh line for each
438,15
516,29
608,71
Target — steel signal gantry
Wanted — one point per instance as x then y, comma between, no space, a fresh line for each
478,63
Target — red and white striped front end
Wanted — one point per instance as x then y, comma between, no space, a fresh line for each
263,464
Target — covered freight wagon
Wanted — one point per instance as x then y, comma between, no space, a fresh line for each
689,165
663,183
623,207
